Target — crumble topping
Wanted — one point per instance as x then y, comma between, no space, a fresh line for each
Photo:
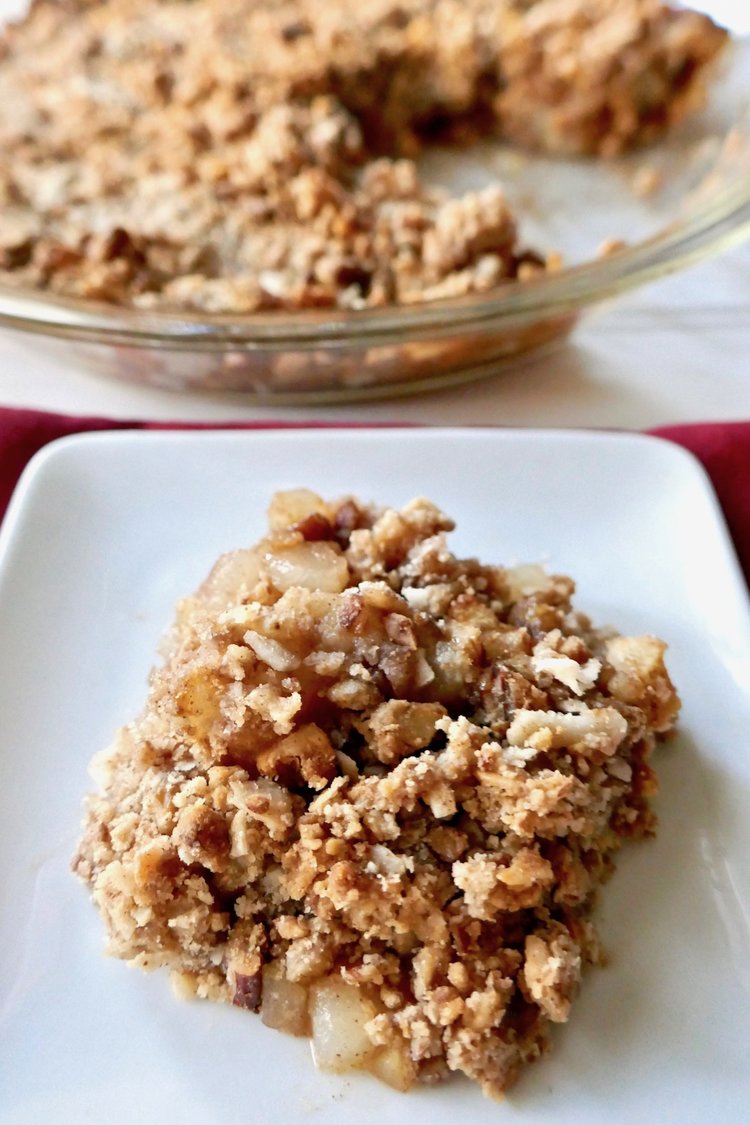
373,792
239,156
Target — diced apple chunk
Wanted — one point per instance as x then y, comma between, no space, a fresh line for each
284,1003
393,1066
339,1013
294,505
314,566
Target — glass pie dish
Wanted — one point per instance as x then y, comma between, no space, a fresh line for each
646,215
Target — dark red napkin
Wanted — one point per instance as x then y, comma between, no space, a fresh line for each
722,447
24,432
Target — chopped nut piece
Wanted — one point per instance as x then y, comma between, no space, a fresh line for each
305,755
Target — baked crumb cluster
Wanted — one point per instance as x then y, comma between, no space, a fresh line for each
236,155
373,792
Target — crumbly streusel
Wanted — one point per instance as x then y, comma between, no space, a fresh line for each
234,155
377,778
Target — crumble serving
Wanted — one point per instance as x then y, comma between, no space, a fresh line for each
236,156
373,792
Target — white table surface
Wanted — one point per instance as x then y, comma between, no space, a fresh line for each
677,351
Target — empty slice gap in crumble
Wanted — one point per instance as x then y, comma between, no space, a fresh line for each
373,792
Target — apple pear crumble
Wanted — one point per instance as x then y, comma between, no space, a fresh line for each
373,792
241,155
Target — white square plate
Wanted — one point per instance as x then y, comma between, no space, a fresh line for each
103,536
